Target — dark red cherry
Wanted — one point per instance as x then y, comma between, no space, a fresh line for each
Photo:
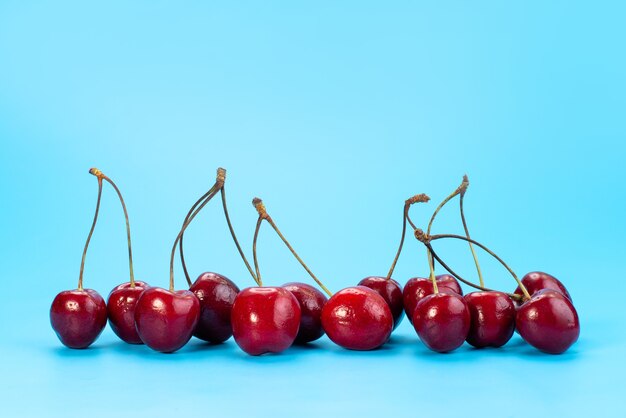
419,287
442,321
357,318
216,294
121,310
492,318
391,291
537,280
548,321
311,303
265,319
78,317
166,320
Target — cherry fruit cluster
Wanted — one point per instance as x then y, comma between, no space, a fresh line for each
268,319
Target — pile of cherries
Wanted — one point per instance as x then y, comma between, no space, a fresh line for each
268,319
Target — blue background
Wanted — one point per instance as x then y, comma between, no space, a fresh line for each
333,114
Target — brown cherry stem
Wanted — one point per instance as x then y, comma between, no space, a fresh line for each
93,226
263,215
419,198
102,176
427,239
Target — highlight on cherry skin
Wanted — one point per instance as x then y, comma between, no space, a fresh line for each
442,321
357,318
265,319
311,302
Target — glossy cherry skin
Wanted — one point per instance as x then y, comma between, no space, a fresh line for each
216,294
548,321
311,303
166,320
419,287
492,318
265,319
357,318
442,321
78,317
391,291
537,280
121,310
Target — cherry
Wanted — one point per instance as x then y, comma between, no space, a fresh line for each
311,302
538,280
216,294
418,288
268,319
121,310
492,318
548,321
79,316
123,298
391,291
357,318
442,321
265,320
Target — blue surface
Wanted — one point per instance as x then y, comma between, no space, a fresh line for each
333,114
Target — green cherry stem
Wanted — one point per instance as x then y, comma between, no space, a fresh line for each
102,176
263,215
93,226
418,198
467,234
427,239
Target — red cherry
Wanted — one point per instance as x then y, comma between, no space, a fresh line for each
391,291
78,317
417,288
216,294
311,303
492,318
548,321
166,319
265,319
357,318
121,310
442,321
537,280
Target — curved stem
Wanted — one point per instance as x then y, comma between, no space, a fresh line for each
259,281
467,282
494,255
179,236
260,207
208,196
395,260
460,189
467,234
232,233
99,174
93,226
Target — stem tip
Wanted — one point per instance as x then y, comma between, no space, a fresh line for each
260,207
464,185
418,198
221,175
96,172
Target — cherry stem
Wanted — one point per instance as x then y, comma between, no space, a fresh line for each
219,185
426,240
96,172
93,226
211,194
419,198
205,197
232,233
263,215
259,280
467,234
